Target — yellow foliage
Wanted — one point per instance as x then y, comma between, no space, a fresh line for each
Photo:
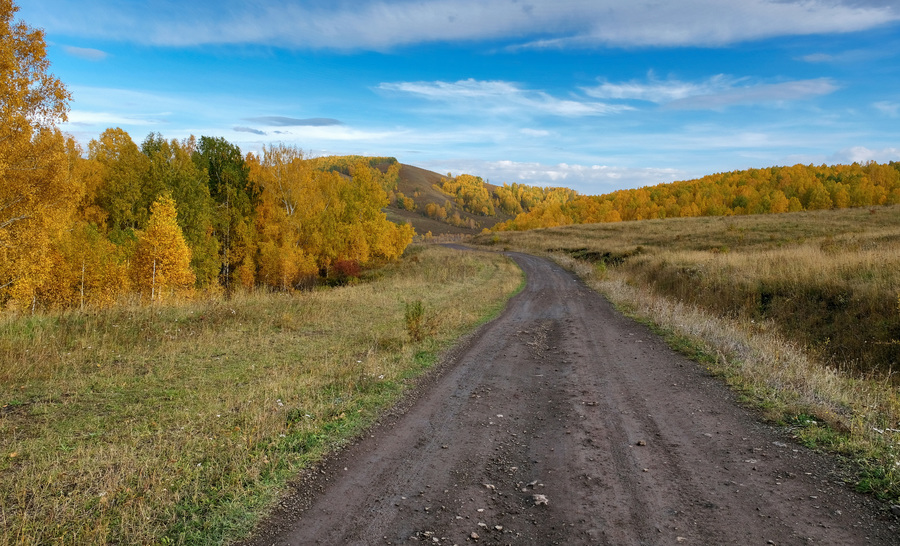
37,195
87,270
162,262
754,191
471,194
308,219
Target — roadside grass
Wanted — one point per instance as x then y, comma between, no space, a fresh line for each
181,424
799,313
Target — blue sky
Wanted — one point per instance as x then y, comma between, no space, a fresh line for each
595,95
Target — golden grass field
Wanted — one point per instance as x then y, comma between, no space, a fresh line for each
181,424
799,312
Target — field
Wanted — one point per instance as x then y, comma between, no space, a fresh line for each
800,312
180,424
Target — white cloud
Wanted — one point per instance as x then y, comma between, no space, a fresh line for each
384,24
818,58
85,118
888,108
586,179
714,93
658,91
756,94
861,154
86,53
503,97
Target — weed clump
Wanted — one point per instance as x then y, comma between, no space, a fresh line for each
419,325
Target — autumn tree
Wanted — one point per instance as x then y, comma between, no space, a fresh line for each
37,195
235,200
285,215
161,265
88,270
471,194
121,192
172,170
309,219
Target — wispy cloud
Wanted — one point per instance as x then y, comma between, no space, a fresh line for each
586,179
714,93
654,90
240,129
86,53
503,97
888,108
384,24
282,121
534,132
852,56
84,118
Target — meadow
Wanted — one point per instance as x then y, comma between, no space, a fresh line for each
181,423
799,312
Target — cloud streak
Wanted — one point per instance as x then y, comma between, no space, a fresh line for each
715,93
251,130
386,24
86,53
501,97
282,121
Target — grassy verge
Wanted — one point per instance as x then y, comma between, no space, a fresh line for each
181,424
698,282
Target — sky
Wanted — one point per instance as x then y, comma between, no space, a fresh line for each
594,95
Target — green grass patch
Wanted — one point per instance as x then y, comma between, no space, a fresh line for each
181,424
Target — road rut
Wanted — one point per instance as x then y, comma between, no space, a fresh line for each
562,399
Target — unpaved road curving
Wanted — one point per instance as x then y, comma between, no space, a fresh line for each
628,442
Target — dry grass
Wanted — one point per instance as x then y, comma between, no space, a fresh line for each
180,424
799,312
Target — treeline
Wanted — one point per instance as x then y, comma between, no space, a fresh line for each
473,195
753,191
167,217
514,199
171,217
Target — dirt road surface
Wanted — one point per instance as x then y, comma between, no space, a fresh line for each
562,422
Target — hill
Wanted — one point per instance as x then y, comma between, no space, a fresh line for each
418,188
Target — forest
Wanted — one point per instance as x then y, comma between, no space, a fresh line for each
753,191
167,218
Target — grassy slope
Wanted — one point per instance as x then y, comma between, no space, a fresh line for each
413,180
180,424
799,312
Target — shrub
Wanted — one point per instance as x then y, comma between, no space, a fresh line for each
415,320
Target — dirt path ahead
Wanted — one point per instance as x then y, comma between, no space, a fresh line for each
563,422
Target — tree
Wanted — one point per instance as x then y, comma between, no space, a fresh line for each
235,201
162,262
288,208
37,194
308,219
172,168
88,269
121,191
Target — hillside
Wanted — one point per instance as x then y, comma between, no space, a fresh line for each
421,186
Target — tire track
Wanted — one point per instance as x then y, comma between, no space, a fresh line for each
564,399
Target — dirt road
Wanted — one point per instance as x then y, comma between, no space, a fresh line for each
563,422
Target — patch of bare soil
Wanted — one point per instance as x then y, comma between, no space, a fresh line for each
563,422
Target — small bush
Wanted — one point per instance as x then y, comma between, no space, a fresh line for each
415,320
344,272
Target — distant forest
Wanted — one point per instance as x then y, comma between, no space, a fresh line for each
754,191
